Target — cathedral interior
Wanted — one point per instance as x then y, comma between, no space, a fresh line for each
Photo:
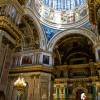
49,49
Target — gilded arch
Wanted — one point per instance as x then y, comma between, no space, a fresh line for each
78,88
82,31
42,37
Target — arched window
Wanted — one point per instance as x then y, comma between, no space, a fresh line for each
63,4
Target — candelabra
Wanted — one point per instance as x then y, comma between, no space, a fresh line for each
20,85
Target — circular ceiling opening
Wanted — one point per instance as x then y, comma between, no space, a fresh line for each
61,13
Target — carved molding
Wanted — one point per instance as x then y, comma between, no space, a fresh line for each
6,24
77,88
93,8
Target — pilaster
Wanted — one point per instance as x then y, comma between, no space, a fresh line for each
97,52
41,85
97,90
1,36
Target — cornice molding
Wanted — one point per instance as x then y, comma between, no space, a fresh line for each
52,70
34,68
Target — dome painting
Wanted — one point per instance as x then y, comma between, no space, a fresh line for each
63,5
61,13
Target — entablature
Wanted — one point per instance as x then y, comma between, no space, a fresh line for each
53,70
34,68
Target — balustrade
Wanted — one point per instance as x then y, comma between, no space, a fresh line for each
26,58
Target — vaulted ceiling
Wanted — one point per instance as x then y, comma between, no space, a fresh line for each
73,49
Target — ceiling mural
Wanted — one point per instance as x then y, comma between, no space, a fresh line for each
73,49
50,32
61,13
63,4
89,26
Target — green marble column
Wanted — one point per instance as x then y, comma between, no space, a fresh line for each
58,94
1,61
66,93
94,92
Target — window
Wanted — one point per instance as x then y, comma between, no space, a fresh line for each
45,59
63,4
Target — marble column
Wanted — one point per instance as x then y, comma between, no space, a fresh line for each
1,60
1,36
94,91
97,93
97,53
45,86
66,93
57,93
41,86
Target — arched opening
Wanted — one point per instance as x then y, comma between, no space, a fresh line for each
30,40
78,94
73,49
42,35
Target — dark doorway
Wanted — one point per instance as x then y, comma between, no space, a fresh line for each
78,94
2,95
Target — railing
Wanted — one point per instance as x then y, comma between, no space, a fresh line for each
27,58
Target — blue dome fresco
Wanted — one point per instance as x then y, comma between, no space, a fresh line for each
62,13
63,4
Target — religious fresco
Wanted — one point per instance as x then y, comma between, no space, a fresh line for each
27,59
63,4
90,27
61,14
45,59
19,60
50,32
53,62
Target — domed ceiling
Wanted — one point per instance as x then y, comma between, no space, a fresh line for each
62,14
63,5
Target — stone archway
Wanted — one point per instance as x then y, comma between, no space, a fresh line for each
78,91
78,94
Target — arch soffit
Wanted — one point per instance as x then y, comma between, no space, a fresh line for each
42,37
81,31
